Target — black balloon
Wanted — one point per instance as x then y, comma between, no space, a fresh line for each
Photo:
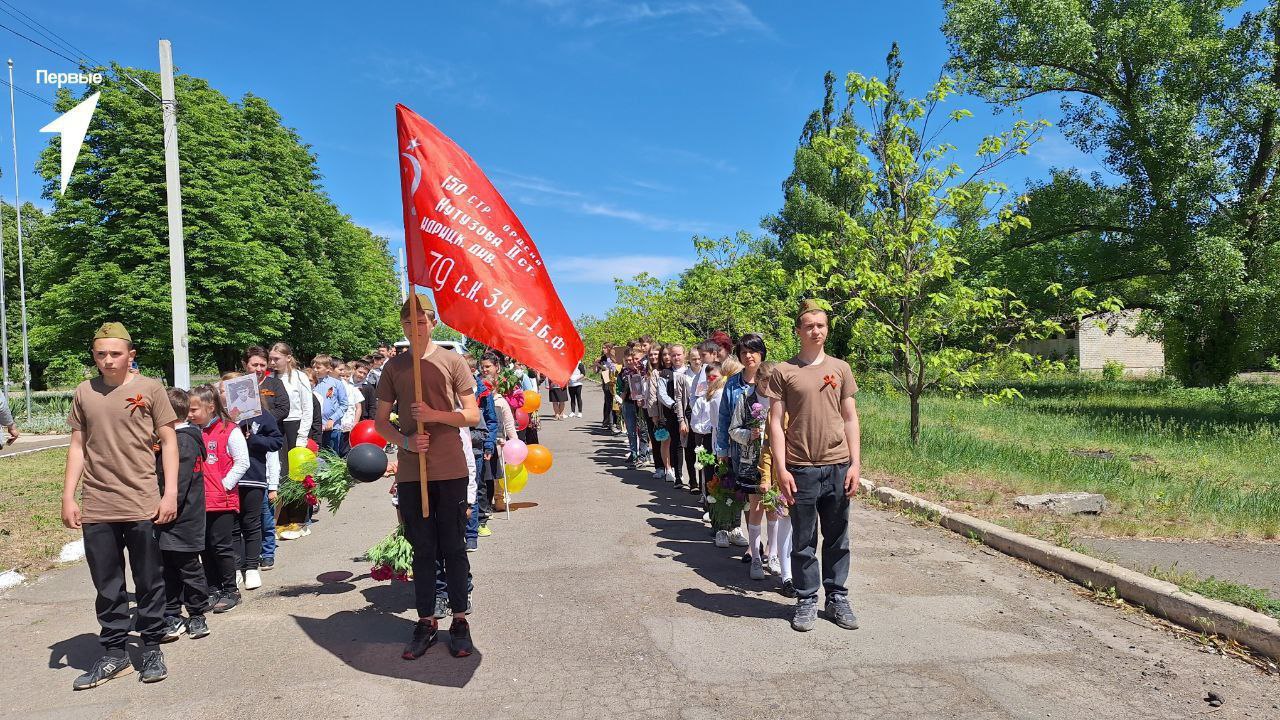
366,463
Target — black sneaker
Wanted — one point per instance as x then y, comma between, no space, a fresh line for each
460,639
266,564
153,667
788,589
197,627
108,667
226,602
442,607
839,612
473,544
425,635
173,628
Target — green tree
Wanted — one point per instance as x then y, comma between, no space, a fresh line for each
1183,108
268,255
877,223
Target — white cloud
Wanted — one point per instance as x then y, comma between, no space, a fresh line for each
653,222
602,270
532,190
708,17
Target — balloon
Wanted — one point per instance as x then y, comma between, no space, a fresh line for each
517,478
522,419
532,400
514,452
366,463
662,435
515,399
302,462
313,446
538,460
364,432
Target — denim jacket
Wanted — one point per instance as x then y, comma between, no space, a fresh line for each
734,389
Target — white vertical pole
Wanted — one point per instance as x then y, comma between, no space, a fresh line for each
404,277
22,280
4,318
177,253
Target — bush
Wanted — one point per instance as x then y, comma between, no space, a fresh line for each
1273,363
66,370
1112,370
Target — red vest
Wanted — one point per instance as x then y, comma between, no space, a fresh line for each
216,467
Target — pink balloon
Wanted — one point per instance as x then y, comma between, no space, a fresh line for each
516,400
514,452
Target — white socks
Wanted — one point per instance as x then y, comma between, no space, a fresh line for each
773,538
784,544
753,537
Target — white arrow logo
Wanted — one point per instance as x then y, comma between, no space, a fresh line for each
73,125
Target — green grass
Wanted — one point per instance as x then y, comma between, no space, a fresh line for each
1211,587
31,531
1172,462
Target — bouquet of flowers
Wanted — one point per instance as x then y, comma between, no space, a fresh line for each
392,557
329,482
773,502
723,495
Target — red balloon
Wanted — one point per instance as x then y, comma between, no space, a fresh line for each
313,446
522,419
364,432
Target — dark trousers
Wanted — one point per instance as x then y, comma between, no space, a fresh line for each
701,441
104,548
289,428
607,418
247,535
528,436
690,455
219,556
575,398
485,484
820,501
440,536
651,428
184,583
672,425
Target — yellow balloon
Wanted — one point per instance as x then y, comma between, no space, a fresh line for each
517,478
302,462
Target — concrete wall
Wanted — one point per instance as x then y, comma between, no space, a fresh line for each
1140,355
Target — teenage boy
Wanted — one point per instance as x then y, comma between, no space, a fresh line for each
818,462
113,419
332,395
447,383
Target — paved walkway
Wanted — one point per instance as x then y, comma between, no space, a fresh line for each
603,597
32,443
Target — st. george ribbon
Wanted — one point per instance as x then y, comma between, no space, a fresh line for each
468,247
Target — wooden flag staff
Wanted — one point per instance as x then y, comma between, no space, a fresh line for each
415,347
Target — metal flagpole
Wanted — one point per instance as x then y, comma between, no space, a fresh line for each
4,316
506,496
22,280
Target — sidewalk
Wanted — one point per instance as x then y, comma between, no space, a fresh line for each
32,443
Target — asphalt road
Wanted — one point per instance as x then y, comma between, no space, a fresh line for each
602,596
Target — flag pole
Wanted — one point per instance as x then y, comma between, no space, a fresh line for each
506,496
22,280
415,348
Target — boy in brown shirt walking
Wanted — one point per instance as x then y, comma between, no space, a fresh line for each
113,420
818,463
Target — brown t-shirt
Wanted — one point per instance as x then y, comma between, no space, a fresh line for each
812,395
118,425
445,379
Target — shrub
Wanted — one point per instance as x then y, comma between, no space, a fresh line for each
66,370
1112,370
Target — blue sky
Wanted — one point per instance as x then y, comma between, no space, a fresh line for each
616,130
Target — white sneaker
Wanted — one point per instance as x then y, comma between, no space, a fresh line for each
706,517
252,579
239,579
738,538
306,530
757,570
722,539
290,534
775,567
671,476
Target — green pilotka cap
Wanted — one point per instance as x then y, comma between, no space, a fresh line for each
112,330
808,306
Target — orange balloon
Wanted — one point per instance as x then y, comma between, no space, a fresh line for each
538,460
532,401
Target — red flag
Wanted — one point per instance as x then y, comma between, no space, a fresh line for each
465,244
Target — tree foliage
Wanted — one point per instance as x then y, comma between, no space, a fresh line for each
268,255
1183,108
879,221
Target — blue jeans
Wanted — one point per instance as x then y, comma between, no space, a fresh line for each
629,419
268,530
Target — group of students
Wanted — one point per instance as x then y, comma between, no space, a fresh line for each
789,425
188,489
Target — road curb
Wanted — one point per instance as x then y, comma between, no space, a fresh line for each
1251,629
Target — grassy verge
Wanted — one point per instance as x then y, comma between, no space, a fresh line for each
31,531
1211,587
1172,462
